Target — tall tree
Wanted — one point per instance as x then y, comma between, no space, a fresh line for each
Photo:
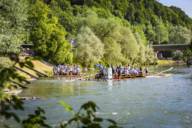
140,35
150,33
47,35
90,49
129,46
180,35
13,21
113,54
162,35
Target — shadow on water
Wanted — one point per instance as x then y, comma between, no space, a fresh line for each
56,88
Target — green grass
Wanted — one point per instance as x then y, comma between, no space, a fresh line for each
5,62
169,62
39,66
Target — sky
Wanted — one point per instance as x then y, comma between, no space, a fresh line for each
185,5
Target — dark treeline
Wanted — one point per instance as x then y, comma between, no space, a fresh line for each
149,13
140,11
92,31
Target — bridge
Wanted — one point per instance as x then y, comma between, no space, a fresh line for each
171,47
164,51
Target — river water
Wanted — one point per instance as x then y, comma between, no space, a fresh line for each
153,102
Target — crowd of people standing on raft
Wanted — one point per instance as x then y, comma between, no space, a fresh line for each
66,70
122,71
128,70
116,71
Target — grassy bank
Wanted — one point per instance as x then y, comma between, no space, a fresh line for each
169,62
39,68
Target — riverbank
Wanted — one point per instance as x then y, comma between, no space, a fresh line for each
40,68
43,69
170,62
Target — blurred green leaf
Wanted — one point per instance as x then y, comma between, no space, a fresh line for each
66,106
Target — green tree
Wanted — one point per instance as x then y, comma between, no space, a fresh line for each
126,39
141,56
104,27
120,7
150,56
162,35
47,35
180,35
102,13
88,18
145,55
140,35
150,33
63,10
177,55
13,21
187,54
112,53
90,49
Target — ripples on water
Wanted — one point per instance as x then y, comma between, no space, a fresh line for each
163,102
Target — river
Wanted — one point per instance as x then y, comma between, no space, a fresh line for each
154,102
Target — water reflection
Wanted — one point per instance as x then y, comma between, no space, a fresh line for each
110,84
163,102
55,88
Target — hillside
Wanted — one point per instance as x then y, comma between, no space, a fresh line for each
88,32
155,19
140,11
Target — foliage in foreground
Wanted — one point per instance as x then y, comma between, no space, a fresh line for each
85,118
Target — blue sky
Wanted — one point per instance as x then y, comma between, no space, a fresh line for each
185,5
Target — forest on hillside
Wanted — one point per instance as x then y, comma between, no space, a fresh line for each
92,31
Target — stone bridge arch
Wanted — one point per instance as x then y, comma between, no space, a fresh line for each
166,49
